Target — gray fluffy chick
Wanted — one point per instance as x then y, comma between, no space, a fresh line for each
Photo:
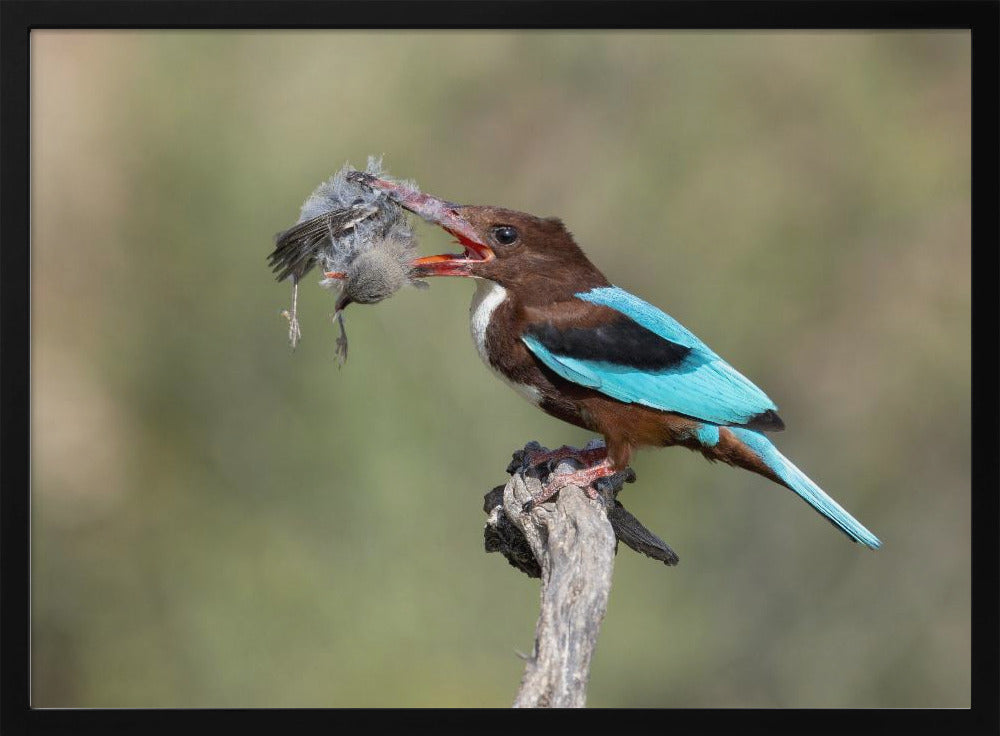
377,272
357,233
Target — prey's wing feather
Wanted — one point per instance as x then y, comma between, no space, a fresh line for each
296,247
295,252
644,356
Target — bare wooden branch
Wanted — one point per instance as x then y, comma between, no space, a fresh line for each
570,543
574,544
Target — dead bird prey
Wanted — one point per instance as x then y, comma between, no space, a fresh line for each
359,236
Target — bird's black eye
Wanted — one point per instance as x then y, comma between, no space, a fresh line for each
505,234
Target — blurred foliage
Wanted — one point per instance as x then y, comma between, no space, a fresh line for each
220,521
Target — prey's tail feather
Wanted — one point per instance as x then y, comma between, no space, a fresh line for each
783,471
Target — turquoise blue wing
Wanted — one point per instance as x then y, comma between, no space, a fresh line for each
700,384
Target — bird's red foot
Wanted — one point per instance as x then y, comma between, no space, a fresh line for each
583,478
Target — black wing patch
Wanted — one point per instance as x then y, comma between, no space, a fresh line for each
767,421
621,341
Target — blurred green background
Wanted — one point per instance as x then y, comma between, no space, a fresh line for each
220,521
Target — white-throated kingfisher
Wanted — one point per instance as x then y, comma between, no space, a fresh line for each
552,327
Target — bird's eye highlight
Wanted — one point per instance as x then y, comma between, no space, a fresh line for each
505,234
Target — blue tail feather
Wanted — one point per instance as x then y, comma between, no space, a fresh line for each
802,485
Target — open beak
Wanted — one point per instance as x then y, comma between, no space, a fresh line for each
439,212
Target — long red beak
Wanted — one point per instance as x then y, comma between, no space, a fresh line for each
439,212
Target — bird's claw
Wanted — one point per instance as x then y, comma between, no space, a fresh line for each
294,331
612,485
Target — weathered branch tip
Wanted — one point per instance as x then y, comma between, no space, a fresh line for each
570,543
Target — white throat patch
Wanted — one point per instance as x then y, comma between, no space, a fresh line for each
490,295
